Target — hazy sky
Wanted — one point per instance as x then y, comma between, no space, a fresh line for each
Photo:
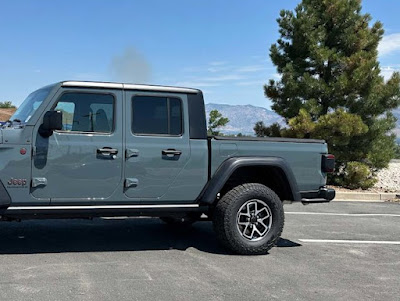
218,46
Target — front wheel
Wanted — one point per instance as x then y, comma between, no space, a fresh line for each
249,219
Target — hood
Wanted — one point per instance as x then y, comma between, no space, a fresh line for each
16,135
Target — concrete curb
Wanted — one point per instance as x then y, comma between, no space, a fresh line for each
364,196
359,201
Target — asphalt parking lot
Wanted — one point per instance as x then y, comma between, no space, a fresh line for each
337,251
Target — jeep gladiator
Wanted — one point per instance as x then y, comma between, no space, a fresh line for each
90,149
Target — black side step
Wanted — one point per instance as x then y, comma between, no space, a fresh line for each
38,212
314,201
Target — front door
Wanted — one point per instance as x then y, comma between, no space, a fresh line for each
157,144
83,161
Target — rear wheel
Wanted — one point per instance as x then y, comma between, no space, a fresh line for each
249,219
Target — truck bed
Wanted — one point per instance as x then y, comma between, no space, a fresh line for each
302,155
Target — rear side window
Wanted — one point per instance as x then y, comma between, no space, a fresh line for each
87,112
156,115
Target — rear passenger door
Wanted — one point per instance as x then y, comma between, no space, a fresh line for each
157,143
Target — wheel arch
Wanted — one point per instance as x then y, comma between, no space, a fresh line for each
273,172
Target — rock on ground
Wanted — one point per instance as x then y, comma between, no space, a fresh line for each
389,178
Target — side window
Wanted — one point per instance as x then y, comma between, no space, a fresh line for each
103,116
87,112
156,115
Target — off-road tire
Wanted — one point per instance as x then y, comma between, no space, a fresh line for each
225,219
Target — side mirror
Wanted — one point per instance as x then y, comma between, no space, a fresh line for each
52,121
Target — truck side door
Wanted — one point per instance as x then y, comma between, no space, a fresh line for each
157,143
82,163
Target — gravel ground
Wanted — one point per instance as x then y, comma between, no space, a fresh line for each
389,178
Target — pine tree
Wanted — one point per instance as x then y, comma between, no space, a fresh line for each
216,121
274,130
328,60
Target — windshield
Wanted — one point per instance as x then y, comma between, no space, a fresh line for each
30,105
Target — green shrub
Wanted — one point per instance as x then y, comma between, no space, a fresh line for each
358,175
6,105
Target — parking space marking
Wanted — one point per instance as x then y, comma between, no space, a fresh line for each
343,241
345,214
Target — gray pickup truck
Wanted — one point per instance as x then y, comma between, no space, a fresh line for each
91,149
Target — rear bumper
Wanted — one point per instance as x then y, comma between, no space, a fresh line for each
323,195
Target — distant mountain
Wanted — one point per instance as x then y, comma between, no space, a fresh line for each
242,118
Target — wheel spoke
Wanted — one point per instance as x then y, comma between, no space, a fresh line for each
244,214
264,225
258,231
266,211
248,208
259,211
252,232
245,230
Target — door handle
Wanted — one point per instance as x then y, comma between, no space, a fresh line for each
171,152
39,182
107,151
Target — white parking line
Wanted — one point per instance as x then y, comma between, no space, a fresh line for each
344,214
342,241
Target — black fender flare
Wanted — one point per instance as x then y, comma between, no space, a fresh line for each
5,199
228,167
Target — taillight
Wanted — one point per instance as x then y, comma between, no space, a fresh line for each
328,163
